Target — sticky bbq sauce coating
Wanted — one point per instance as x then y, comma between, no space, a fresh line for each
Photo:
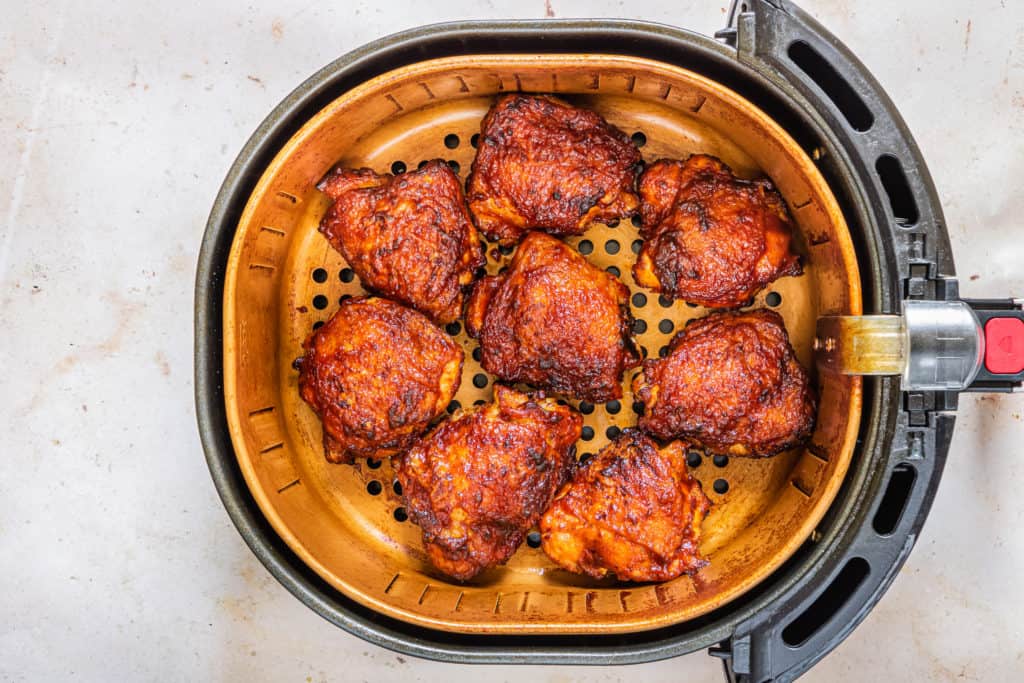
633,510
544,164
480,481
730,383
711,238
377,373
408,237
554,321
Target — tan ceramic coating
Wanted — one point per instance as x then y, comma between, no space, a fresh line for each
327,514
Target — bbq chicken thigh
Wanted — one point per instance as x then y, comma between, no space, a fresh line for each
377,373
731,383
711,238
542,163
479,482
554,321
632,510
408,237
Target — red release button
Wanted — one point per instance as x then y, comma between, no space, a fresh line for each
1004,346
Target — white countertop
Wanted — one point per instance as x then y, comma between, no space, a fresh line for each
117,560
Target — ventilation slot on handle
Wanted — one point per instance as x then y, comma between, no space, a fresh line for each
828,604
901,199
897,493
832,84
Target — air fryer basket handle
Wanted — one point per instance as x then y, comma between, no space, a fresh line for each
906,260
962,345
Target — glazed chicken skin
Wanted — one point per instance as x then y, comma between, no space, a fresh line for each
408,237
731,383
377,373
542,163
632,510
711,238
554,321
479,482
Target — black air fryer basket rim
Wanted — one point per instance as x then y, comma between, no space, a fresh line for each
752,630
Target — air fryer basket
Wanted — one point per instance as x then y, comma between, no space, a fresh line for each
284,279
788,620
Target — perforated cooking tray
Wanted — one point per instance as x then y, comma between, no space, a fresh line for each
337,535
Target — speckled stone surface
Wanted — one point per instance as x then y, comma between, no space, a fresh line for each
117,560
